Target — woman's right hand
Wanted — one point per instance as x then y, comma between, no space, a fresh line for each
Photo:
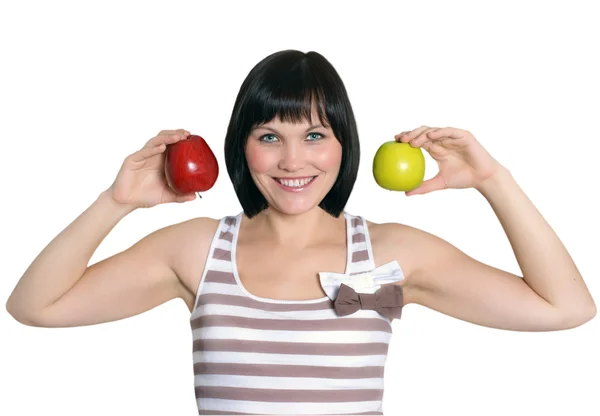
141,182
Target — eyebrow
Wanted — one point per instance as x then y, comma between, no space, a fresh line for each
275,131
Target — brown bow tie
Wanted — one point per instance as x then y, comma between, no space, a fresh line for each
388,301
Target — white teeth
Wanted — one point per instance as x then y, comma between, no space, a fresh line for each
296,183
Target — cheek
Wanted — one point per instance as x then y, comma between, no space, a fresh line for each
330,158
259,161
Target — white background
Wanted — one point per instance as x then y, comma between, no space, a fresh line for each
86,84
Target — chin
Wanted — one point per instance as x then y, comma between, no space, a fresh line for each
294,207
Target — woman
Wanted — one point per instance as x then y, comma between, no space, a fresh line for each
292,299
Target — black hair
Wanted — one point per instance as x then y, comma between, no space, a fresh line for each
288,84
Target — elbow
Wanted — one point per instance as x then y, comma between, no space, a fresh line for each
22,316
580,316
26,320
592,312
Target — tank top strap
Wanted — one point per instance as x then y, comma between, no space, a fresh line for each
217,267
360,252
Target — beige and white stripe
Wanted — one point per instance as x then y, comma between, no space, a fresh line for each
256,355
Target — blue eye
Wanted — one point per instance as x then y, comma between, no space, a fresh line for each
271,138
265,138
318,136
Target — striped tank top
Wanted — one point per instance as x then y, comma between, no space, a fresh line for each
255,355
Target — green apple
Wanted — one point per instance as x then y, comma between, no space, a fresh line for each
398,166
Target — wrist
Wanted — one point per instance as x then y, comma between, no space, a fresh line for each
106,199
495,182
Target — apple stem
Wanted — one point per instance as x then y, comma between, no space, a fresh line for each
198,193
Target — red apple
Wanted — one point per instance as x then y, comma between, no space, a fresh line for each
190,165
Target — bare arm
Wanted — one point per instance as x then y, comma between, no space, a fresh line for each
551,294
59,289
64,260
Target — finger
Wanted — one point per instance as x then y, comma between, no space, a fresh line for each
434,184
173,138
185,198
412,134
447,132
166,139
169,132
427,145
399,135
421,139
147,152
166,132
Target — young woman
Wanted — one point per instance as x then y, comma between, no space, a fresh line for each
292,299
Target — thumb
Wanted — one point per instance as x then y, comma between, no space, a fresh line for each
434,184
185,198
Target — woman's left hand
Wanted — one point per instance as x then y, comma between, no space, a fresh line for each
462,161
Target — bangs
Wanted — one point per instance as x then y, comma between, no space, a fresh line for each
295,103
293,88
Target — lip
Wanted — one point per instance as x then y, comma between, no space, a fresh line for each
294,177
298,189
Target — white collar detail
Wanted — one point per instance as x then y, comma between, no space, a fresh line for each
366,282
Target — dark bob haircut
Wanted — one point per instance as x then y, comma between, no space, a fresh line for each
288,84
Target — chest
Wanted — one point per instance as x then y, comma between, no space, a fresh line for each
287,274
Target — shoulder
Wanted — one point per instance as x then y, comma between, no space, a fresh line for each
174,238
399,234
413,248
200,228
187,244
391,240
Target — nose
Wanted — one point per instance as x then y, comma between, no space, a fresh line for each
292,157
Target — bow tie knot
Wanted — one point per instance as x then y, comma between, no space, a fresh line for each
387,300
367,301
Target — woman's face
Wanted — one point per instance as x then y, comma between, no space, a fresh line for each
293,165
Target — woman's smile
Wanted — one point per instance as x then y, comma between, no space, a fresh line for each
295,184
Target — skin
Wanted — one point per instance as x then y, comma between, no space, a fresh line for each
60,289
284,150
306,239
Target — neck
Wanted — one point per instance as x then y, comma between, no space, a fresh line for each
294,230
